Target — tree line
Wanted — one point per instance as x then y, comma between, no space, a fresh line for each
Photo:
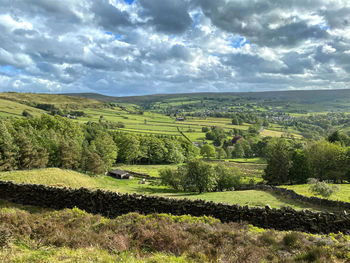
54,141
325,160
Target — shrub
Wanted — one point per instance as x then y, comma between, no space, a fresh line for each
268,238
322,188
172,178
291,240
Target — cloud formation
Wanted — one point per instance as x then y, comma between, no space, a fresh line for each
118,47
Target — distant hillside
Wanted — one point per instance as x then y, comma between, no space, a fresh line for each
319,99
60,101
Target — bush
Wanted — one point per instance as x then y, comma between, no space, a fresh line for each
292,240
205,129
172,178
322,188
227,179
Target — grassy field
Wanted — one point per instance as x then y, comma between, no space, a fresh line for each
152,170
60,101
13,104
61,178
14,109
342,195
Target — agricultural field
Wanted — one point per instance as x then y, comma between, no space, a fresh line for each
67,178
10,108
342,195
60,101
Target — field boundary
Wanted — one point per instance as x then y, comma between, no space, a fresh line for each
291,194
113,204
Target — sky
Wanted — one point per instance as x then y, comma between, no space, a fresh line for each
136,47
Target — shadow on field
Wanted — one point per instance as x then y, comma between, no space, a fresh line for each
164,191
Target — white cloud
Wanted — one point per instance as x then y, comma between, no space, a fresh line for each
112,47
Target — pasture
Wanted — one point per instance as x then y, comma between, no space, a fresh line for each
342,195
67,178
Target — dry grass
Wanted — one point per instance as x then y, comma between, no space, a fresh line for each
184,238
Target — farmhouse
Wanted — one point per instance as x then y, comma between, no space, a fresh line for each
119,174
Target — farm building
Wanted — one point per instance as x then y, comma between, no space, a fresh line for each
119,174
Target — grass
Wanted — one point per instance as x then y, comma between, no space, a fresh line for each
152,170
256,160
14,109
51,176
72,235
342,195
61,178
60,101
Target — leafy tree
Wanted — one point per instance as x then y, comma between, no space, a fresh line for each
300,170
199,176
225,178
153,149
30,155
173,153
238,151
104,146
92,162
172,178
278,164
69,154
208,151
341,138
8,149
220,153
328,161
129,147
235,120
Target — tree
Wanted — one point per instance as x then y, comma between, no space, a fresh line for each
300,170
92,162
30,155
104,146
128,147
235,121
199,176
220,153
152,149
172,178
278,164
238,151
208,151
328,161
225,178
174,151
8,149
69,154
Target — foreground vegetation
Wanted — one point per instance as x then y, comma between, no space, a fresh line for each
31,235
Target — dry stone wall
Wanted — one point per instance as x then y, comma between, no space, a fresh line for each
112,204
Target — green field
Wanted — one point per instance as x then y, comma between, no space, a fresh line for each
68,178
342,195
14,109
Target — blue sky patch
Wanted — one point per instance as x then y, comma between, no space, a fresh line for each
10,70
240,42
117,37
129,2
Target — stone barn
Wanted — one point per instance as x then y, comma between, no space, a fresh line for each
119,174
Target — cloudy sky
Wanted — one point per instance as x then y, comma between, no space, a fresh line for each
132,47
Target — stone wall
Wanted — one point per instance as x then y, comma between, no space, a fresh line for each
305,199
112,204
